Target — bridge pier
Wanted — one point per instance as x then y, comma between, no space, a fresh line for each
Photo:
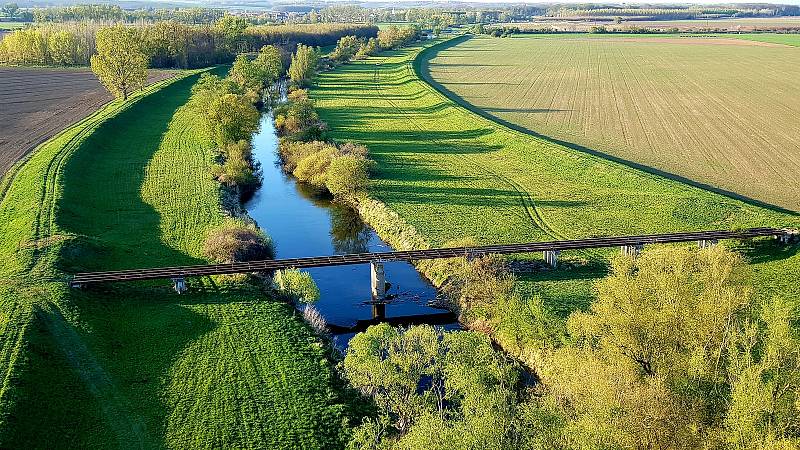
551,257
179,284
707,243
788,236
631,250
377,280
378,311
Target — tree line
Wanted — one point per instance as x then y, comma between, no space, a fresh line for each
675,352
168,44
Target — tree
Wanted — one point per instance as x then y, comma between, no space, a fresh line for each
120,63
304,64
270,63
232,29
237,241
347,175
246,75
648,362
231,118
10,10
346,48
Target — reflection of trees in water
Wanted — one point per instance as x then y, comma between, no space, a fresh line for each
349,234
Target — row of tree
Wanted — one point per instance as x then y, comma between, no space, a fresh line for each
674,353
168,43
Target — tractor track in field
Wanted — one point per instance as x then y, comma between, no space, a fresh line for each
524,197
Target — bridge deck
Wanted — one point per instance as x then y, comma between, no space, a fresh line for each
412,255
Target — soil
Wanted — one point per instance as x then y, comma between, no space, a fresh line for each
37,103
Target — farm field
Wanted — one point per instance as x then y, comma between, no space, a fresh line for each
451,173
38,103
717,111
738,24
137,365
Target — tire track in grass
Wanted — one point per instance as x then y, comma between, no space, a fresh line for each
526,200
476,167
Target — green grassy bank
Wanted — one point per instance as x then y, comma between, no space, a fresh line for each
450,173
137,365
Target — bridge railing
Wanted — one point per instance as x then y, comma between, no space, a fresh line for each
181,272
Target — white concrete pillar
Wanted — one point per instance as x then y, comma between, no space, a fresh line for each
631,250
377,280
551,257
179,284
707,243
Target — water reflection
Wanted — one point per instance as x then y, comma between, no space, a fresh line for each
303,222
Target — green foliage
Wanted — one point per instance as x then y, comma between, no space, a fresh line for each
157,369
368,48
347,175
236,170
296,285
297,119
231,118
439,390
120,62
304,64
270,63
346,49
395,37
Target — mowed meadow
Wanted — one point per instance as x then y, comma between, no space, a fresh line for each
718,111
453,174
136,365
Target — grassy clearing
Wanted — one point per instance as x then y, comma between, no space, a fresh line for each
12,25
451,173
220,367
715,110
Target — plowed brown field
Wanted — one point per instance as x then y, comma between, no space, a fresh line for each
37,103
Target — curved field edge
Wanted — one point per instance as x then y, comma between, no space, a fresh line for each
449,173
421,66
136,365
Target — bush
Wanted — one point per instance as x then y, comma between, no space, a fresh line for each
291,153
296,285
297,120
236,241
313,168
231,118
367,48
346,48
347,175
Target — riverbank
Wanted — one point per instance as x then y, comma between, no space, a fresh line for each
444,173
222,366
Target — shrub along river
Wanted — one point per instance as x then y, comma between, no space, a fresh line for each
304,222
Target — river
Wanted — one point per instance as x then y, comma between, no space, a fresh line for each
303,222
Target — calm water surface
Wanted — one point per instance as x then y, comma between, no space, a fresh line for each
302,222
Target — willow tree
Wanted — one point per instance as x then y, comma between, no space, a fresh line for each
120,63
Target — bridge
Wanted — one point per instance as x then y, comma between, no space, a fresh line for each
630,245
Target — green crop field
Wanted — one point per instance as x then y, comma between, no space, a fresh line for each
137,366
715,110
451,173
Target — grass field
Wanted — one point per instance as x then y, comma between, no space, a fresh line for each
12,25
138,366
451,173
717,111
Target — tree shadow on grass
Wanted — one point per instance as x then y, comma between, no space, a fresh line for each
422,66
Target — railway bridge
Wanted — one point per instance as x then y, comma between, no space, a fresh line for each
630,245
